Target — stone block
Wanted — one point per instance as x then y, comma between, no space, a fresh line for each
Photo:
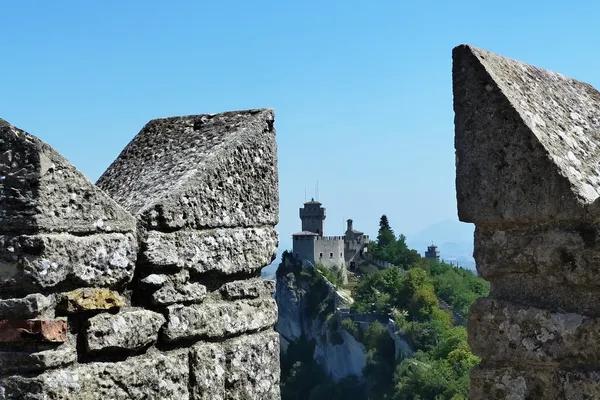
242,368
504,331
42,192
127,330
525,142
190,292
219,319
38,357
226,251
248,289
254,370
90,299
33,330
536,290
153,375
47,260
208,366
567,254
200,171
29,307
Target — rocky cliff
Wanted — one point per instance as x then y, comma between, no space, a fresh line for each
306,303
146,285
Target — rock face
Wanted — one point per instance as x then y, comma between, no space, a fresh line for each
147,285
528,175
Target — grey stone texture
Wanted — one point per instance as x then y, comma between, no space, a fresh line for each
144,286
242,368
528,176
200,171
127,330
28,307
227,251
219,319
42,192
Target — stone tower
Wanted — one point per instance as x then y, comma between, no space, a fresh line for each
432,254
313,217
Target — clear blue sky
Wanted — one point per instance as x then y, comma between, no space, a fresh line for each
361,89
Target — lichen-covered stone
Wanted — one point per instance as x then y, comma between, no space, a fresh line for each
219,319
190,292
526,147
47,260
38,358
207,368
153,375
90,299
28,307
242,368
248,289
127,330
200,171
226,251
42,192
505,331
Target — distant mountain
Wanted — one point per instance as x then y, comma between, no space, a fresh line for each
454,240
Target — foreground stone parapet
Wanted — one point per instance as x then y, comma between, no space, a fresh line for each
158,297
200,171
528,176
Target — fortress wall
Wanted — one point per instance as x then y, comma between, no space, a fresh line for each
528,177
329,251
304,248
146,286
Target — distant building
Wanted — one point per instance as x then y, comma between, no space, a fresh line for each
311,246
432,254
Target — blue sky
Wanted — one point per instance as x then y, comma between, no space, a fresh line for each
361,89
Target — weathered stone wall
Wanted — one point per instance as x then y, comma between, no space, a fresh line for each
146,286
528,175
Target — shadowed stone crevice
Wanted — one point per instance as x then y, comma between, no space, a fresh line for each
528,175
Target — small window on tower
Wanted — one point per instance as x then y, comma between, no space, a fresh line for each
320,255
341,255
330,255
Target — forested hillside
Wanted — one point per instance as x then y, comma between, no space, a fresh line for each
427,303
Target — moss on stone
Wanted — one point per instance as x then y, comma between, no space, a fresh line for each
89,299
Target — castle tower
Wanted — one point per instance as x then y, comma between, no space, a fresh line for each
313,217
432,254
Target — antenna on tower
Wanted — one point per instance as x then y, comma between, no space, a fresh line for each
305,195
317,194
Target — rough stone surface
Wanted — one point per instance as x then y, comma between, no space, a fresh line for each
223,250
528,175
151,376
253,363
504,331
207,371
33,330
242,368
200,171
191,292
48,260
90,299
31,306
38,357
219,319
42,192
248,289
515,124
127,330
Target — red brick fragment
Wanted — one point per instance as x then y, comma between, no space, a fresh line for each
33,330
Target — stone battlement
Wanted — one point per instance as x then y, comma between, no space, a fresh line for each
146,285
528,176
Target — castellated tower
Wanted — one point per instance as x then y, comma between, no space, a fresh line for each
313,217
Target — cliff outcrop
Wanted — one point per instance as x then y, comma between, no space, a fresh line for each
146,285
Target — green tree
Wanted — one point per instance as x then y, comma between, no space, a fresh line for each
386,234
